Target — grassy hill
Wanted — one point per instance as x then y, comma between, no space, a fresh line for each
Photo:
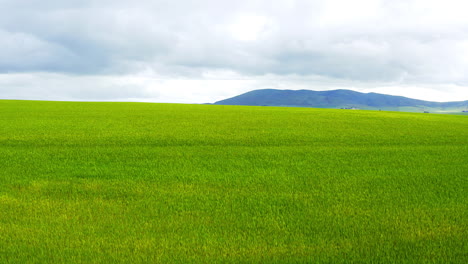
340,99
168,183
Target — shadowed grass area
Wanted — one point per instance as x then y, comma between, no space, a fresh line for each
139,183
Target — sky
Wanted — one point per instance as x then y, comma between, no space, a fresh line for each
185,51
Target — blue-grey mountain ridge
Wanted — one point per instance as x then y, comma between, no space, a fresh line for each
346,99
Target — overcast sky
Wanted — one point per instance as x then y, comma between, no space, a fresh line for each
206,50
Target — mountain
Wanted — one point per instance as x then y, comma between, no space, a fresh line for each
340,99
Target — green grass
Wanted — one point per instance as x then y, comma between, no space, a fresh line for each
167,183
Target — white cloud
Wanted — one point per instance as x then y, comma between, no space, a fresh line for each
248,27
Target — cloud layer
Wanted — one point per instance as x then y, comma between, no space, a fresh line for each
361,44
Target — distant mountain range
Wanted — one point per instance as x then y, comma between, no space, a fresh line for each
345,99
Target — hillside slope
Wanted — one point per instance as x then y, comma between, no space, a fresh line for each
339,99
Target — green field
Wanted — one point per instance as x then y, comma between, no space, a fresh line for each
168,183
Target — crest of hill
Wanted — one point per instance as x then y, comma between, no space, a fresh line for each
340,99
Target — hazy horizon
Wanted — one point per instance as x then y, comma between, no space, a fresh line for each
149,101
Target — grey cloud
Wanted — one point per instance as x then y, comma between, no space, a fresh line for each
22,52
186,38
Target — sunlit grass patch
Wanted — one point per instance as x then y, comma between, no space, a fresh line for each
139,183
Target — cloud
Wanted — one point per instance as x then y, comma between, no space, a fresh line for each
368,43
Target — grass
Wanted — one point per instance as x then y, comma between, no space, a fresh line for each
167,183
